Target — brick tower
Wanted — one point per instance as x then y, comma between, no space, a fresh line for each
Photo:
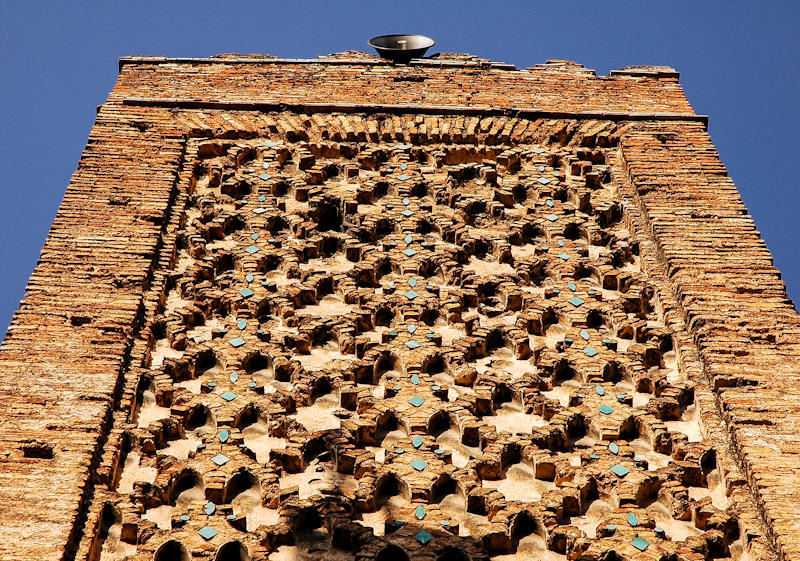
350,310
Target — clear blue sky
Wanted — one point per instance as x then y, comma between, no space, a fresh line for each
738,61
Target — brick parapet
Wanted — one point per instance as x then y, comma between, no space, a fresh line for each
545,88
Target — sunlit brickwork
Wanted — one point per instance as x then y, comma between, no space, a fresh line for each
446,310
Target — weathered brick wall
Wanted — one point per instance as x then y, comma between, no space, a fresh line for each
68,383
69,341
745,326
548,88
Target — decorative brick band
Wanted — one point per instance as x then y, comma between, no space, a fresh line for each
396,109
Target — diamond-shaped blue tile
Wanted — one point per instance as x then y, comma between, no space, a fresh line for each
620,471
640,543
550,203
416,441
412,283
246,292
600,390
265,176
633,520
220,459
575,301
207,533
271,144
413,344
259,210
408,252
423,537
572,286
237,342
241,324
210,508
224,435
403,177
228,396
408,238
613,448
407,213
606,409
563,256
589,351
552,217
419,512
411,295
415,379
585,334
411,328
416,401
249,277
252,249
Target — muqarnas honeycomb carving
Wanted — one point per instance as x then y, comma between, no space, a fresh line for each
391,350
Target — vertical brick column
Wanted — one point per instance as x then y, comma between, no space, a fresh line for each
736,308
69,341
